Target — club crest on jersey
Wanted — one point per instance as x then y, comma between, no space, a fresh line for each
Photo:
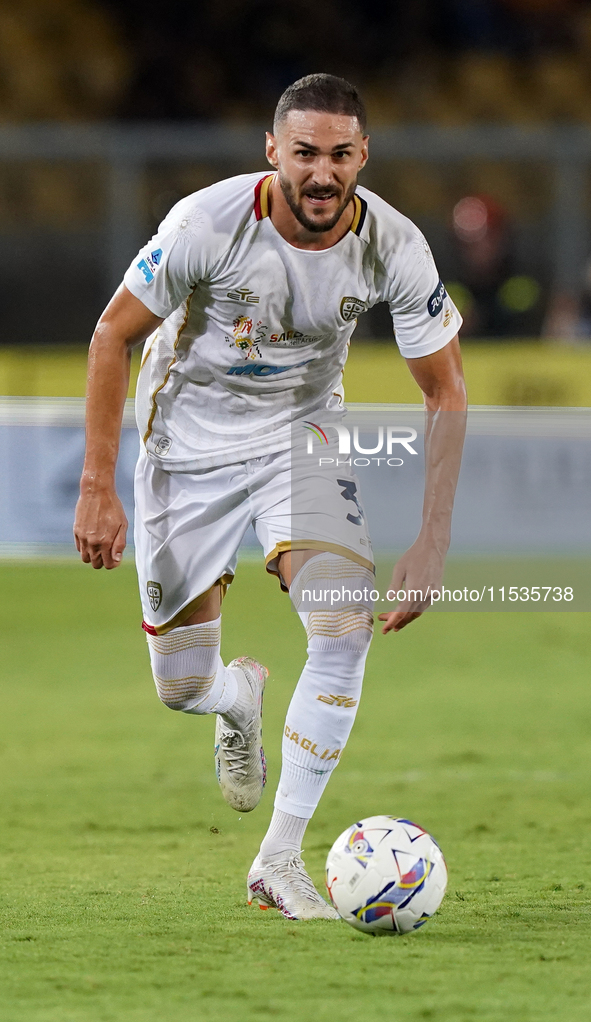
154,594
163,446
351,308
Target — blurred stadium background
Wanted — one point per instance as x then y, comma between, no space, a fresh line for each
480,115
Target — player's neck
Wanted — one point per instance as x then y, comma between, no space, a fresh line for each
292,231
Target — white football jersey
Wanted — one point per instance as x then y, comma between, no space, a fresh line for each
256,332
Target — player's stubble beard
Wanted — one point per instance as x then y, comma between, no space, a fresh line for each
314,226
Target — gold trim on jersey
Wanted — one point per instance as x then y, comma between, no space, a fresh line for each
356,214
182,327
359,214
193,606
264,195
149,351
286,545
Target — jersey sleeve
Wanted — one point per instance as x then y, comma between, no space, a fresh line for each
423,315
176,258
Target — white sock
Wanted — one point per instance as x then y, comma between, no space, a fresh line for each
285,835
242,710
188,671
318,723
323,707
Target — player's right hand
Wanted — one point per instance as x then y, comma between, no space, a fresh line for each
100,528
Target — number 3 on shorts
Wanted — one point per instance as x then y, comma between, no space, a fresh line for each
349,492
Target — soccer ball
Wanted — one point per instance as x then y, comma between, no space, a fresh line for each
386,875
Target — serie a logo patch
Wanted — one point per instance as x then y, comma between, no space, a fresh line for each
154,594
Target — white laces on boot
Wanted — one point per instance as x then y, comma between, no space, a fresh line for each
293,871
233,744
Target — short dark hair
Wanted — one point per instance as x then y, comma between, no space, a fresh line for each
326,93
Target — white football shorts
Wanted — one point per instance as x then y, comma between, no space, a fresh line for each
189,525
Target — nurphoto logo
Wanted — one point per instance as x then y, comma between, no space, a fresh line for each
386,437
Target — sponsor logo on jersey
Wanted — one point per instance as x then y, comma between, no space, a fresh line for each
154,594
338,701
351,308
435,303
150,264
293,339
243,338
243,294
163,446
448,317
260,370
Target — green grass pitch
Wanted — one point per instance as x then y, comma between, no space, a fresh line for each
123,891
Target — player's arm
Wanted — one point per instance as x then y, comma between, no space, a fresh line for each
441,379
100,527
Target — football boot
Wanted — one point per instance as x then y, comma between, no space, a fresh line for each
283,883
241,768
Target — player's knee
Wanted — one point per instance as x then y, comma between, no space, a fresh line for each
331,580
184,665
182,693
169,694
347,631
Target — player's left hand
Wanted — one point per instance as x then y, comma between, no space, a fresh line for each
418,572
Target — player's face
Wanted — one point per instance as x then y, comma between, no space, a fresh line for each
318,157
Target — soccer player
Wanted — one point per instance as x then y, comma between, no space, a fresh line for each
247,298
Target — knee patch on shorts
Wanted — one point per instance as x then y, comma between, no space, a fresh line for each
185,663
